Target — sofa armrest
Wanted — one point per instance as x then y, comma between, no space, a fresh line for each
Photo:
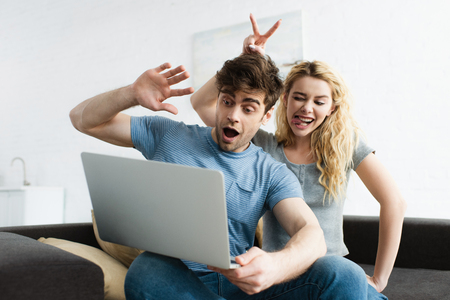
76,232
32,270
425,242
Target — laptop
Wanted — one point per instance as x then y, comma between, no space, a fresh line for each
169,209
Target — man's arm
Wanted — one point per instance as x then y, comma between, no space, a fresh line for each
100,116
260,270
307,242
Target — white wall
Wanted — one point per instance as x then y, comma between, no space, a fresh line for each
54,54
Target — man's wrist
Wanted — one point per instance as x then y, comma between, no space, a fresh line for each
129,96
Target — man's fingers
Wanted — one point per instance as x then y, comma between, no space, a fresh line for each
247,288
273,29
169,108
254,25
163,67
181,92
158,106
247,257
178,78
247,280
173,72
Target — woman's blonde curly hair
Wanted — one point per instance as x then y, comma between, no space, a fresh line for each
333,142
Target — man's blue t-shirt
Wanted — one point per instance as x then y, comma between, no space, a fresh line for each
254,181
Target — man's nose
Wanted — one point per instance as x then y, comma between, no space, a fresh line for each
233,115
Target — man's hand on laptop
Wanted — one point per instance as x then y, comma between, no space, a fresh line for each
258,271
152,88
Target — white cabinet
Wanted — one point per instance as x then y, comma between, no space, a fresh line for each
31,205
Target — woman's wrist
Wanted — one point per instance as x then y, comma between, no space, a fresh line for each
380,282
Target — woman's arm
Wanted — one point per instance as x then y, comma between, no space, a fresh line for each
204,102
392,210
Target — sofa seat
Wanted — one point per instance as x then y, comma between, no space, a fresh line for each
407,284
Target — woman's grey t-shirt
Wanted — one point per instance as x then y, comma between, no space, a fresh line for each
329,213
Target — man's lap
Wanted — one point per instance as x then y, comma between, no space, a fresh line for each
153,276
330,277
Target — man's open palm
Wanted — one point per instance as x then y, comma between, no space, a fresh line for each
152,88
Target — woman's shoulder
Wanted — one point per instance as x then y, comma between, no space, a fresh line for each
265,140
361,151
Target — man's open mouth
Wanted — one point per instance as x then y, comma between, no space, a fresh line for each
230,132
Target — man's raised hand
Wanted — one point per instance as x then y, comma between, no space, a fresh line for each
153,87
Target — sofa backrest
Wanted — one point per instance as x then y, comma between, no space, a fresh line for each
76,232
425,242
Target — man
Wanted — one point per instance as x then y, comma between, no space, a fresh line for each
249,87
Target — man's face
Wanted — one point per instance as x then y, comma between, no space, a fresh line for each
238,117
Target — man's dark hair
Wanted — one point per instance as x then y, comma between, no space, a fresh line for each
249,73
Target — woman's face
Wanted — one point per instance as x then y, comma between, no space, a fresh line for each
308,103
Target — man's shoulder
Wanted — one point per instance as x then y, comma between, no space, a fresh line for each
267,161
163,121
152,119
282,183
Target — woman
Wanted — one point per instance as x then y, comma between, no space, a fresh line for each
319,140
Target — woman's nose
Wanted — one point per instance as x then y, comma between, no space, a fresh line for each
307,107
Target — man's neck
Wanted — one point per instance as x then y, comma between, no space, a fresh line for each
215,139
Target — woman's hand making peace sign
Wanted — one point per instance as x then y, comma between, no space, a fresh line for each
256,42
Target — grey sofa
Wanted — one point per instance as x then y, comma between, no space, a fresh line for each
422,268
32,270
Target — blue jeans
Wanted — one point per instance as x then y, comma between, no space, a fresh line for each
153,276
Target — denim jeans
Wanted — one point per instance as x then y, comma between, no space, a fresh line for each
152,276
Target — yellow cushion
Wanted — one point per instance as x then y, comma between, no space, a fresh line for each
124,254
114,272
